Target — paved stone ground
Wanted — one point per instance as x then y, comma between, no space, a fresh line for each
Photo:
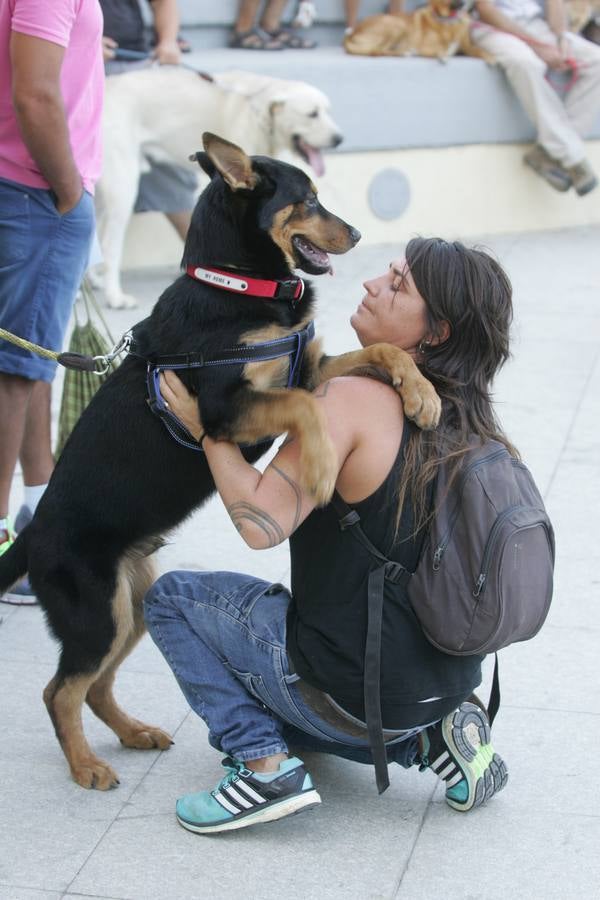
538,839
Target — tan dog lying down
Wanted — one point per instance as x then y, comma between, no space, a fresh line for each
438,30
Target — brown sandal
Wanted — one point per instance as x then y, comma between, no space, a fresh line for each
290,38
256,39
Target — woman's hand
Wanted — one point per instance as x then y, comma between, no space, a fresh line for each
181,402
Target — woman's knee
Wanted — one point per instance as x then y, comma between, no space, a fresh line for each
167,593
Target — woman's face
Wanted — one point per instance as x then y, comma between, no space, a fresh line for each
392,310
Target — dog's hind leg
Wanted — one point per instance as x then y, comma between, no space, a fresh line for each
64,698
96,640
131,732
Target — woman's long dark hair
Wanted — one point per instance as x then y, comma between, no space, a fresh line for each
468,289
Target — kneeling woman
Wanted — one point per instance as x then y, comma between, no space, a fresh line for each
265,667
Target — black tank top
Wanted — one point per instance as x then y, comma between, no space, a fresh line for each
327,619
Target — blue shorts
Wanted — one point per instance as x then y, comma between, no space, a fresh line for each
43,257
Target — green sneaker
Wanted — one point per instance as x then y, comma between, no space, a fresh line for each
7,535
21,594
459,751
245,798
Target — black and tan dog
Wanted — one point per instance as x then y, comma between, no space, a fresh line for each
122,481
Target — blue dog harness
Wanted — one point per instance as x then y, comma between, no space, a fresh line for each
292,346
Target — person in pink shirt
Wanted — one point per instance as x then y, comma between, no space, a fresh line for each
51,92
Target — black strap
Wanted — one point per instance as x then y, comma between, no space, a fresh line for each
232,356
494,701
395,572
349,519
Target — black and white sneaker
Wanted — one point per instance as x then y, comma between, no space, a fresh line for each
244,798
459,751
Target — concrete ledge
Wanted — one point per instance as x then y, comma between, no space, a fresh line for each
387,103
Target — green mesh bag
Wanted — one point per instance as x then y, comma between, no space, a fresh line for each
90,337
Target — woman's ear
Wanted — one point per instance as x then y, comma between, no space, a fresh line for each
442,333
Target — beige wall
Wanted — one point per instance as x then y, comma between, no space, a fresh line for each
471,190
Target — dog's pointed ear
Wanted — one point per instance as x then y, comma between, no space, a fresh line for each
204,161
231,161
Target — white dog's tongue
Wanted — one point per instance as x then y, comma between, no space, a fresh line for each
315,157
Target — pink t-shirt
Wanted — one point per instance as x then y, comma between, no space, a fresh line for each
77,26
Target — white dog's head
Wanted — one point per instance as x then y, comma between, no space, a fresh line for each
296,114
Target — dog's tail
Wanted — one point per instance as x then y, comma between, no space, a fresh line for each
13,563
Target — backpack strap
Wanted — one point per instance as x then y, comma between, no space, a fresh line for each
396,573
494,701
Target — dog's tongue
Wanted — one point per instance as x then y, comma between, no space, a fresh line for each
315,158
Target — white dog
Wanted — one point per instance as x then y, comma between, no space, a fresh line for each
160,114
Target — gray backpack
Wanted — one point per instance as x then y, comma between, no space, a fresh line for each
484,576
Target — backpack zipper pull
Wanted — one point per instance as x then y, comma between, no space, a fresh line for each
479,585
437,558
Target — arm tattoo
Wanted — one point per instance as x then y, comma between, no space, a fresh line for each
297,494
242,510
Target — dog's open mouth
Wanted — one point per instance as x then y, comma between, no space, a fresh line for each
309,258
311,155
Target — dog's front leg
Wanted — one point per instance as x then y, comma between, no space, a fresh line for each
421,403
115,201
297,413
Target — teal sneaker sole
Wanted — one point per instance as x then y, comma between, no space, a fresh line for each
288,807
467,734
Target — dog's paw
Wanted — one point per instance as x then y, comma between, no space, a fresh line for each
94,773
319,471
120,301
421,402
147,737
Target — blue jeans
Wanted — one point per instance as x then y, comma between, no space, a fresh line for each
223,635
43,257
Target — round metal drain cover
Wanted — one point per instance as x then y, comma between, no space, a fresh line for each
389,194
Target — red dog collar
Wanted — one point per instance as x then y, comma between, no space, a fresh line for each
290,289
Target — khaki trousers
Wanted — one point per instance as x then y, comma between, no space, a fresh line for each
561,123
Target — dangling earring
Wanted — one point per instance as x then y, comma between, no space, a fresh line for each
423,344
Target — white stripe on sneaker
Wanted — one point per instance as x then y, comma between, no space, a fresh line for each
451,767
220,798
230,791
438,762
455,779
241,785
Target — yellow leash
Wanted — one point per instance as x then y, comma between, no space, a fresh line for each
27,345
71,360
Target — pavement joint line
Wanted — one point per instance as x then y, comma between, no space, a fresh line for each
395,894
119,817
116,817
569,431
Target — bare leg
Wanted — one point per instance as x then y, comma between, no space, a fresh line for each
14,398
271,17
247,12
351,8
266,763
36,457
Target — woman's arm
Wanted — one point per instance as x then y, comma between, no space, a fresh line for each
267,507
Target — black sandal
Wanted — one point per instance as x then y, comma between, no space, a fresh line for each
290,38
256,39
